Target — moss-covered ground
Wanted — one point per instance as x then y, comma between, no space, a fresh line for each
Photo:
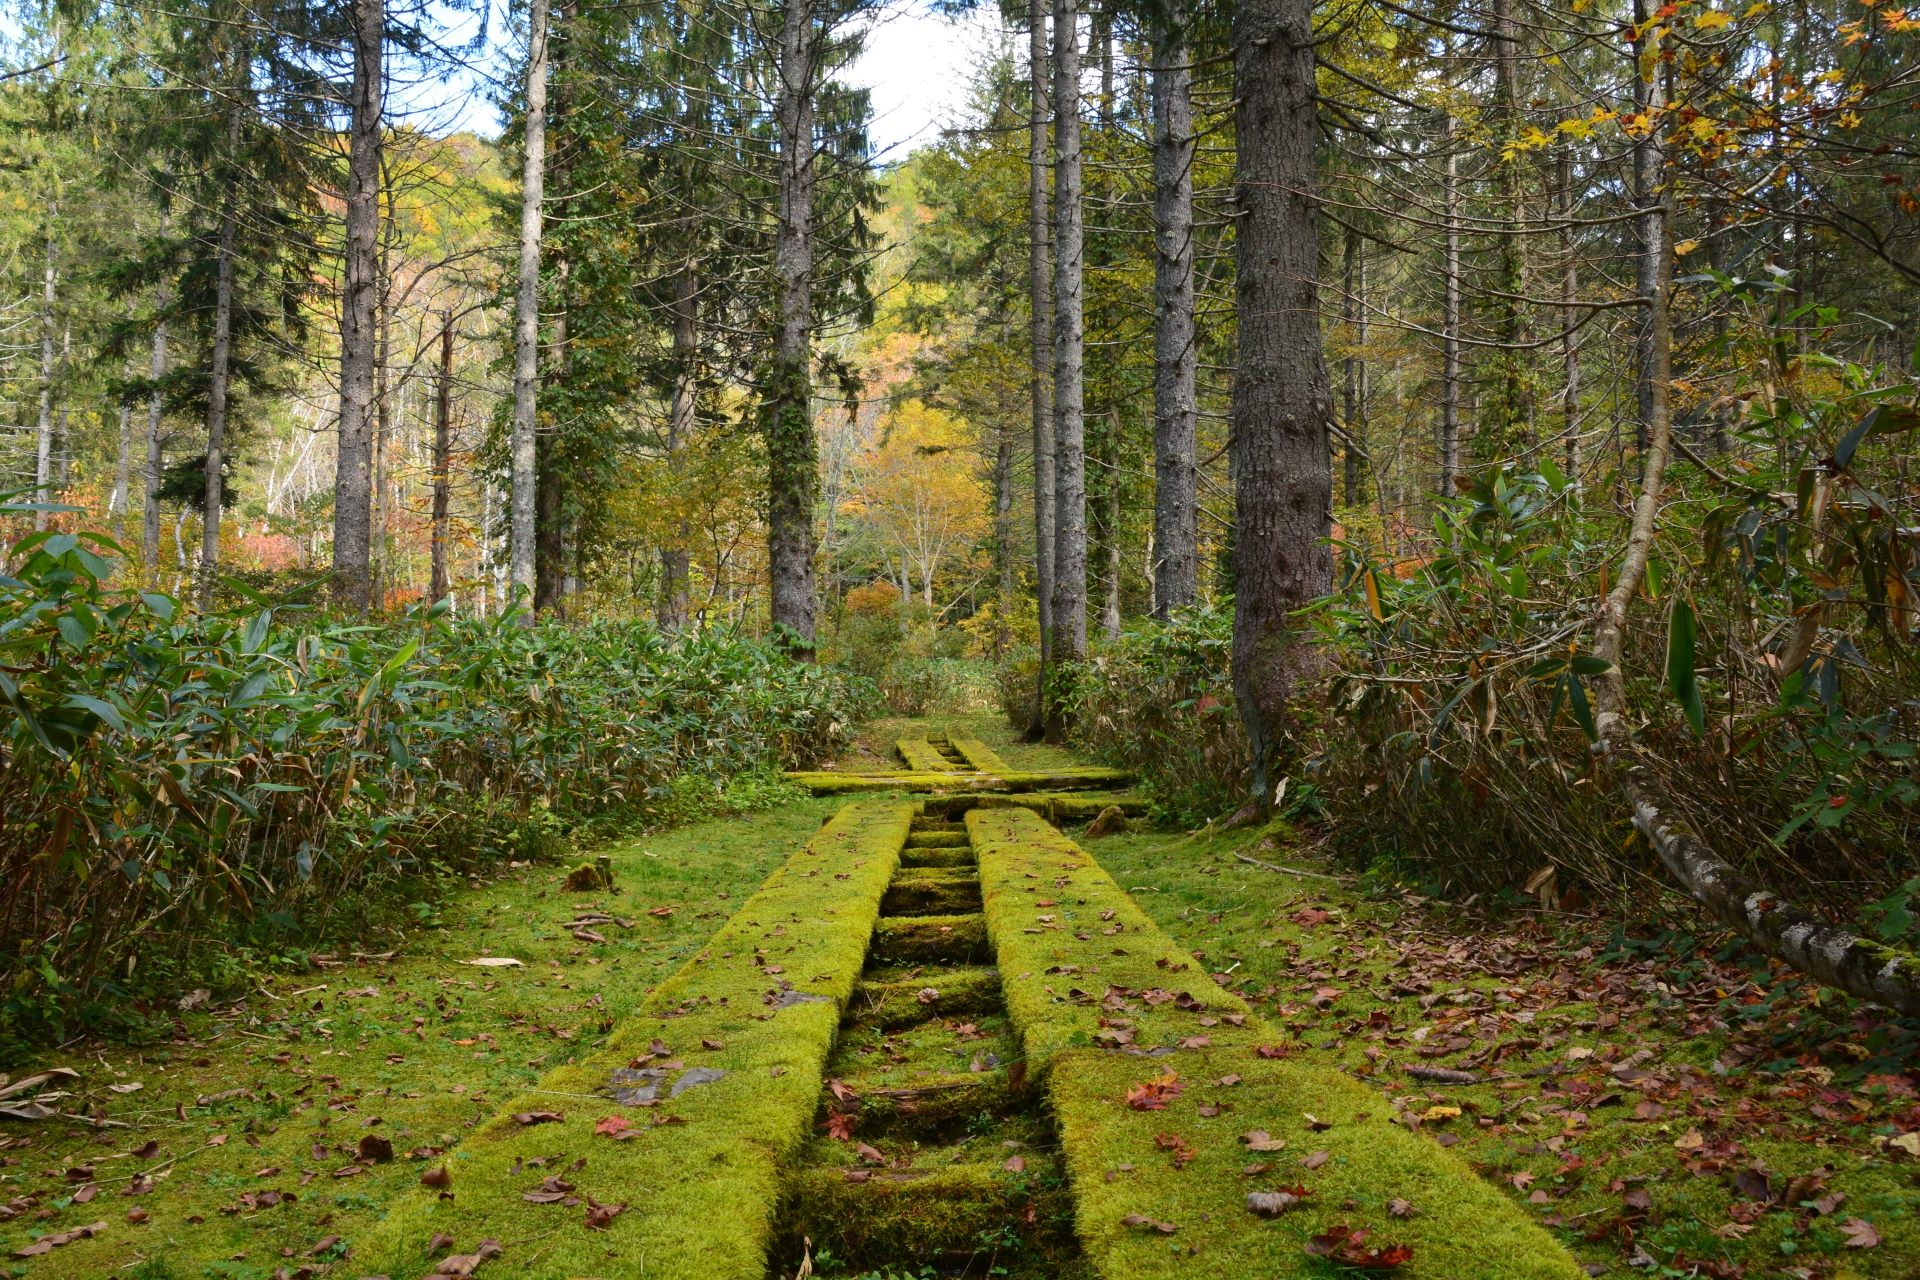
1636,1100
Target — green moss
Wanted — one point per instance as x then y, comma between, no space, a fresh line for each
937,840
1057,809
921,757
941,892
980,755
930,939
963,993
1050,907
921,1213
1074,779
924,859
704,1187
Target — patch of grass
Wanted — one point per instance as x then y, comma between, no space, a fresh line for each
465,1038
1066,935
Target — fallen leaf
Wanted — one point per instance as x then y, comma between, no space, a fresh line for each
1015,1164
436,1178
148,1150
1689,1141
1141,1220
539,1117
440,1240
376,1149
1401,1208
1271,1204
1860,1234
601,1216
1317,1159
132,1086
840,1125
870,1154
1261,1140
613,1126
1316,1125
1154,1095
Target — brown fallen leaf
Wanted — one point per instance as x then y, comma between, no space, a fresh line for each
376,1149
601,1216
1271,1204
440,1240
1860,1234
1153,1095
539,1117
1317,1159
1401,1208
137,1215
1261,1140
1316,1125
1015,1164
148,1150
86,1193
326,1243
871,1155
1141,1220
436,1178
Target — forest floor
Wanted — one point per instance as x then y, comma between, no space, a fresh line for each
1659,1107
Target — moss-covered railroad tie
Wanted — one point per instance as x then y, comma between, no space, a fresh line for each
1156,1079
1013,780
717,1078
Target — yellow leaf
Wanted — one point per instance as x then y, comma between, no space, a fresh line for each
1685,247
1440,1113
1713,20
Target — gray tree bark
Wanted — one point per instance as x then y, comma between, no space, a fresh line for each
1069,341
1282,403
1176,502
1450,372
674,560
213,497
526,320
442,456
1354,367
1570,339
43,438
156,442
1040,284
793,464
353,468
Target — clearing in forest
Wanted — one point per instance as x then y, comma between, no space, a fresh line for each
931,1032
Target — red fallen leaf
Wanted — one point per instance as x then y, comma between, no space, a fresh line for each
1349,1247
601,1216
539,1117
1155,1094
869,1154
1183,1152
1142,1220
840,1125
840,1090
613,1126
436,1178
1271,1051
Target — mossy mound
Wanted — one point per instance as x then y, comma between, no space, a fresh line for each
954,993
923,757
1087,779
931,1215
739,1048
943,891
930,939
1155,1127
978,754
921,858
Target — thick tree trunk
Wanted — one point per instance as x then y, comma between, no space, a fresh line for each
353,469
43,436
379,513
1176,503
1647,261
793,464
550,502
213,496
1283,485
122,472
526,321
674,558
1450,321
1110,529
1040,284
1003,537
442,454
1069,643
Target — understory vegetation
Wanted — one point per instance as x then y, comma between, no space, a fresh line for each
187,796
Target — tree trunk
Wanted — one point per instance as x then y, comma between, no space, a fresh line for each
793,464
353,478
674,559
1354,367
526,320
442,454
1450,372
1003,537
214,496
1069,644
1040,287
550,500
122,471
43,440
1110,529
1646,261
1569,339
156,446
380,544
1283,484
1176,503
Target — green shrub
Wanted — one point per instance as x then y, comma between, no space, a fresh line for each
182,794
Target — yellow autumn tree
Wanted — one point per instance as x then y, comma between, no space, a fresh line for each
920,494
